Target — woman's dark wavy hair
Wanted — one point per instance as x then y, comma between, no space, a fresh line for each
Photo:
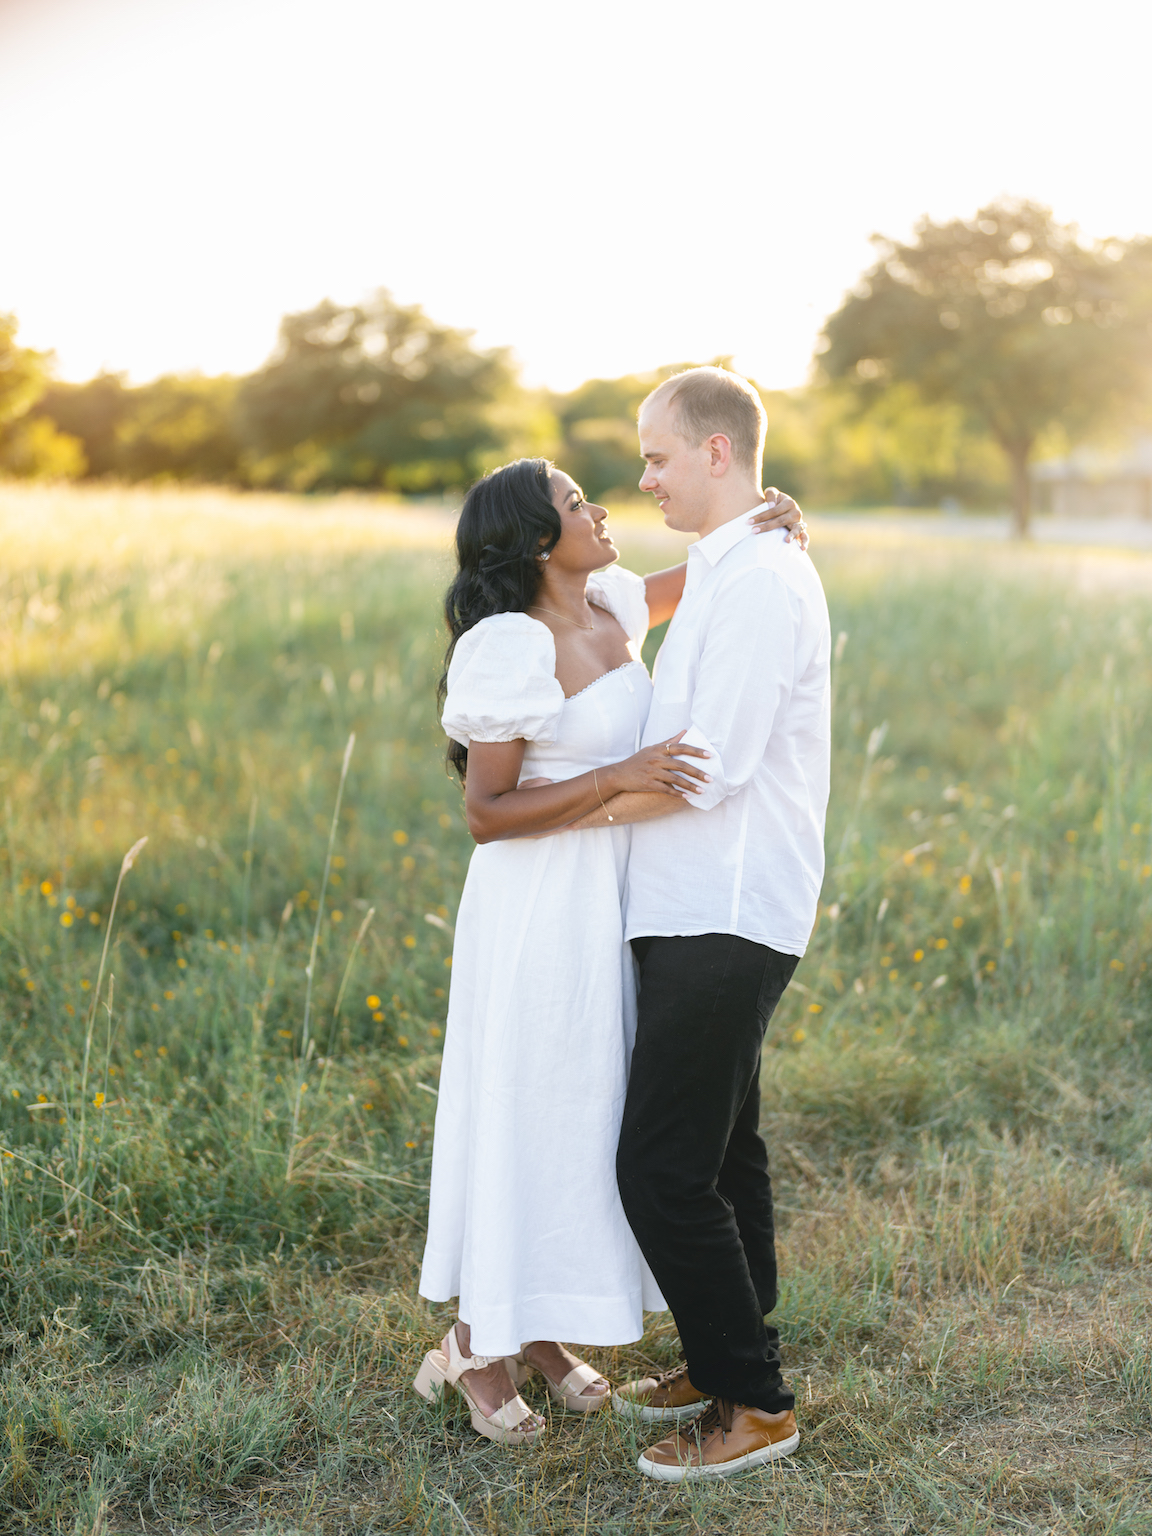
506,523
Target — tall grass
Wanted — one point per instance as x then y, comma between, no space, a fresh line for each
215,1154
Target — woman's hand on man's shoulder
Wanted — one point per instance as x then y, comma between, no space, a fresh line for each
782,512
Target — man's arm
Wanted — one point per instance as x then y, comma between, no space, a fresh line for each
746,673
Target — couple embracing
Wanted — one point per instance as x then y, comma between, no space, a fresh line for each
649,864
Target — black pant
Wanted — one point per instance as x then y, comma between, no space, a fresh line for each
692,1168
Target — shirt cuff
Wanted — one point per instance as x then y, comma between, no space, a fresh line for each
710,794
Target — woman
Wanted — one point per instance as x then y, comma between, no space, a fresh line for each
546,699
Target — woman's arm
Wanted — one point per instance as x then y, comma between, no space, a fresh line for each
496,808
664,589
627,809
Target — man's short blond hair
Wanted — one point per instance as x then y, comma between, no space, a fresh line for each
705,401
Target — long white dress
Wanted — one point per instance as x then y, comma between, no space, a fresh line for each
525,1223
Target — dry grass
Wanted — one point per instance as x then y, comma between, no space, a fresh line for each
207,1281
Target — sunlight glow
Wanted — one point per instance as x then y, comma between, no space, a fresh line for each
605,188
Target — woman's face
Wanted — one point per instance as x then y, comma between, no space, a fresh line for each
584,544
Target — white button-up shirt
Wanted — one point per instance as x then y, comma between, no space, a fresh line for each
745,666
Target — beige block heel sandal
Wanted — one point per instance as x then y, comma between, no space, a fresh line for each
513,1423
569,1391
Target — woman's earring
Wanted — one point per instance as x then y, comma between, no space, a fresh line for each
544,556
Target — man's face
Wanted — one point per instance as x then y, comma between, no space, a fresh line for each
679,476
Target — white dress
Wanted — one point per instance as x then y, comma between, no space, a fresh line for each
525,1223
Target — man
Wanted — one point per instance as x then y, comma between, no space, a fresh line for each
721,902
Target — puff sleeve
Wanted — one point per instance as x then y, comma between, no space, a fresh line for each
502,683
622,593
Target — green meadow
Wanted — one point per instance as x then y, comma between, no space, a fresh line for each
218,1066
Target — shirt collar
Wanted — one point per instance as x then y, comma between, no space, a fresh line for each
715,545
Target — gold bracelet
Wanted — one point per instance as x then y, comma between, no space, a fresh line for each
599,796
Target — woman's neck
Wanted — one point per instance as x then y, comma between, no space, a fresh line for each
563,593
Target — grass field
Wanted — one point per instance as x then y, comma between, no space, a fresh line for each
216,1139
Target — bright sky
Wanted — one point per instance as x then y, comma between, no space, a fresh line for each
604,186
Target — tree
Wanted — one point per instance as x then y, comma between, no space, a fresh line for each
23,374
30,448
179,427
93,413
598,424
373,394
34,449
896,449
1009,315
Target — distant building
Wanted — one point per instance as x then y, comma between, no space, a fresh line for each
1092,482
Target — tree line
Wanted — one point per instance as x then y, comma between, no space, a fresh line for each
959,357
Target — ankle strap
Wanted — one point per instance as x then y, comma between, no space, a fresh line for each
458,1362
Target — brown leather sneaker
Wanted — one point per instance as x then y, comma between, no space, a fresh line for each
660,1399
729,1438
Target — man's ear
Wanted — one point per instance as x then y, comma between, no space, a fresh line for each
720,452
